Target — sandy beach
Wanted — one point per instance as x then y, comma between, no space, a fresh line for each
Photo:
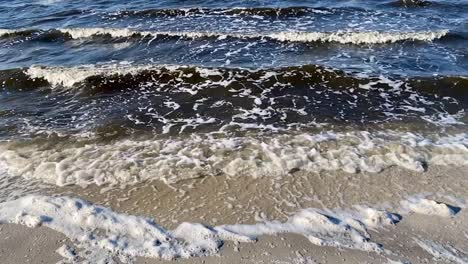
214,201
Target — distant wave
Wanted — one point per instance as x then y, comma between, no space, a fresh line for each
441,5
255,11
343,37
411,3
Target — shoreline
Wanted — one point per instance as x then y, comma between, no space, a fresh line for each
40,245
223,200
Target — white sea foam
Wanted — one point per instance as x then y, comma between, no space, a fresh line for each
428,108
69,76
171,160
326,228
107,233
8,31
371,37
427,207
344,37
77,33
98,228
66,252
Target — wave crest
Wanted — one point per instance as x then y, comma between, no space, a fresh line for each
342,37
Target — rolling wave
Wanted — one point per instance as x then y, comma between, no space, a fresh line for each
120,74
110,74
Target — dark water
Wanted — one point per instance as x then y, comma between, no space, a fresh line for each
76,67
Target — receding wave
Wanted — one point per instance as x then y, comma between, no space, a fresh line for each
171,160
343,37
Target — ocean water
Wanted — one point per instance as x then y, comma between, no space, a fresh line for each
107,94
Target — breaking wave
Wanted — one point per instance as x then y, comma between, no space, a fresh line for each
129,75
342,37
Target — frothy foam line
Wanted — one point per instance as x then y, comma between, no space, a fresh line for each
172,160
425,206
371,37
110,234
4,32
69,76
343,37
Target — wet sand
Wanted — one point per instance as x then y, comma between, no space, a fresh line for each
219,200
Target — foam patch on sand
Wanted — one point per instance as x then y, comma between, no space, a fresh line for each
66,252
96,227
114,235
326,228
428,207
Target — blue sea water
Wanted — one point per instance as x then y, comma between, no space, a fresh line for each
170,67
